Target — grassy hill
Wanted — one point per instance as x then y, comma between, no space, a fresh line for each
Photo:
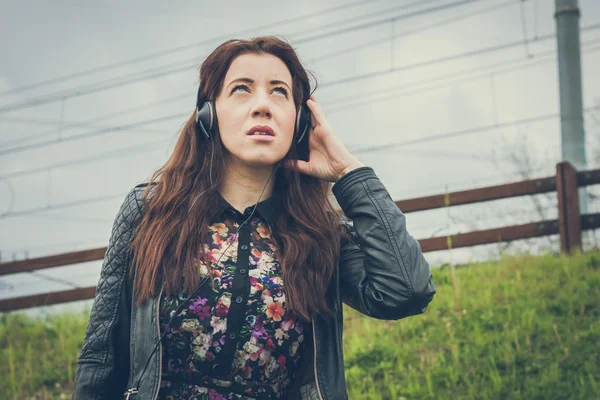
522,328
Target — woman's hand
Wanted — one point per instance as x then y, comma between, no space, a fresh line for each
329,157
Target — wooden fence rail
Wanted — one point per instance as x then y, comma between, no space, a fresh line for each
569,226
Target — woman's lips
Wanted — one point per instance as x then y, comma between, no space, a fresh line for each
261,129
262,138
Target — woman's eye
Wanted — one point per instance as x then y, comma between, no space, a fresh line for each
245,88
282,90
239,87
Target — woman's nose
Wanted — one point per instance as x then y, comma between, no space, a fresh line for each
261,107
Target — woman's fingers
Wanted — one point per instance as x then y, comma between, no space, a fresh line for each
298,165
317,112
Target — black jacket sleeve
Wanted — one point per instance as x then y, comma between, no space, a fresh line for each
383,272
103,365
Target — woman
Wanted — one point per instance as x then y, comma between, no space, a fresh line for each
222,283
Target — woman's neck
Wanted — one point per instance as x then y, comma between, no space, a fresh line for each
242,185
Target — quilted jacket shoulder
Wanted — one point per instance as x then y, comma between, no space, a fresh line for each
99,362
113,270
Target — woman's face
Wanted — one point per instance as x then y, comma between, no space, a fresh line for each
256,95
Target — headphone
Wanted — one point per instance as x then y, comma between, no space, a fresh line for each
206,122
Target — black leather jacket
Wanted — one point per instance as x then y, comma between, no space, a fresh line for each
381,273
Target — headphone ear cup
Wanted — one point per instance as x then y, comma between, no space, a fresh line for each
303,120
301,132
206,119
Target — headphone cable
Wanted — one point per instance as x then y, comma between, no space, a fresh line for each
204,278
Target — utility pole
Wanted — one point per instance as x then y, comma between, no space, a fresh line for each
571,98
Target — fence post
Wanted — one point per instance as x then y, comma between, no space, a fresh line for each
569,219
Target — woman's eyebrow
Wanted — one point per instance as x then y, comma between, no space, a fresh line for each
251,81
276,82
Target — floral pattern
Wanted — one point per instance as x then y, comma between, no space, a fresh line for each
271,339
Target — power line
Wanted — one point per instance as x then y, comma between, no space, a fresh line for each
95,133
524,29
527,63
129,151
453,57
403,34
364,76
80,92
182,48
37,121
441,136
500,215
339,108
134,77
120,82
406,33
125,151
362,18
535,19
61,206
11,189
149,146
112,129
462,132
423,191
53,279
70,218
447,154
56,244
385,20
12,142
103,117
92,88
547,57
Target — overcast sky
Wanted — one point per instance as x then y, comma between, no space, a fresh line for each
123,75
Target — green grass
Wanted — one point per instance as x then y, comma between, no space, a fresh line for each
522,328
39,355
526,328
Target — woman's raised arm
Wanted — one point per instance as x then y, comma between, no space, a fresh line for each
383,272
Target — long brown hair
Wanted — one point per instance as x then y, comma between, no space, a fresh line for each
168,243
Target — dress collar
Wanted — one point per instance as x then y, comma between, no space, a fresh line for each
267,208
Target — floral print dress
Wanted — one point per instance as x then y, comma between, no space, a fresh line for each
237,341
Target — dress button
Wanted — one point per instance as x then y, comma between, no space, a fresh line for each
232,335
244,247
238,299
242,271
